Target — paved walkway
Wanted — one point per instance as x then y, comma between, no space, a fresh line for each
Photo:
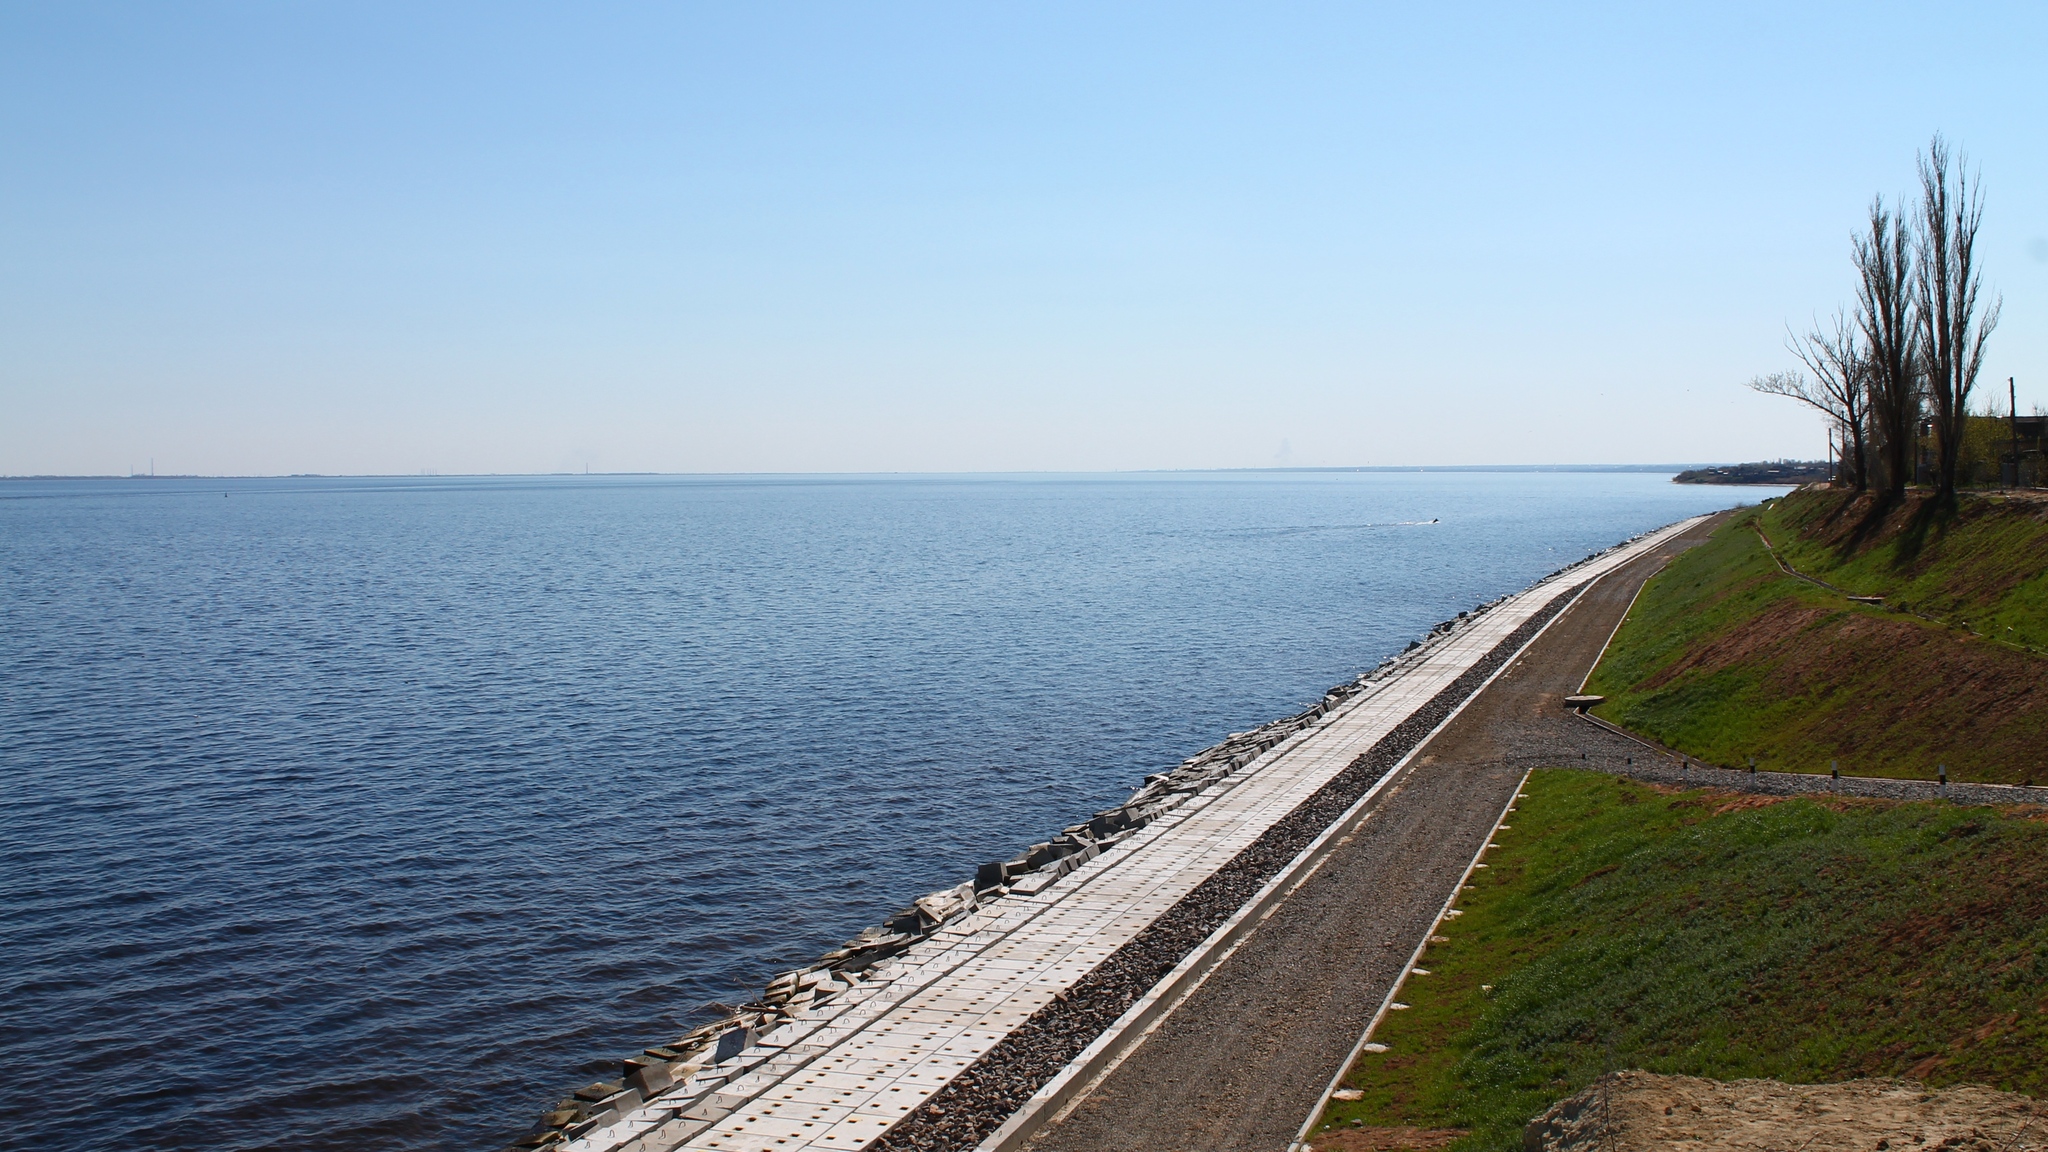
840,1079
1240,1064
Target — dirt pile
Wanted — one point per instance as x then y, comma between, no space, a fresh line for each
1639,1111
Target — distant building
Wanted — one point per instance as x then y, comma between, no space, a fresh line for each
2028,436
1996,450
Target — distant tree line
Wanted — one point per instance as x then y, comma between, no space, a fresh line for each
1761,472
1907,353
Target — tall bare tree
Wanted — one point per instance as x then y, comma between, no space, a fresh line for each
1838,389
1884,312
1947,288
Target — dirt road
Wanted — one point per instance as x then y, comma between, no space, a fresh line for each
1239,1065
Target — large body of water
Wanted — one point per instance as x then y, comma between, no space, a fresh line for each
377,813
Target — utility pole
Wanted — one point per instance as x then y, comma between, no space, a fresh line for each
2012,416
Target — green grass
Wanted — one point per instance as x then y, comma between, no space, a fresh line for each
1720,936
1982,561
1724,656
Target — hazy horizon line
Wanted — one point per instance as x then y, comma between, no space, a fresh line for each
1668,467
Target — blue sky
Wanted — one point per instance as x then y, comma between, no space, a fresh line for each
504,238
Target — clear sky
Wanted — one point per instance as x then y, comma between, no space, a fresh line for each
503,237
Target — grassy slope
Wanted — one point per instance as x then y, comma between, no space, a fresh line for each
1983,561
1723,936
1724,656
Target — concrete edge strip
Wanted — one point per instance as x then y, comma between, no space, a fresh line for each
1128,1030
1618,730
1301,1137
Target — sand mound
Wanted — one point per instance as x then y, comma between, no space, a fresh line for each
1638,1111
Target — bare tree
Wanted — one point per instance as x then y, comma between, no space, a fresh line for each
1884,312
1839,388
1947,284
1838,360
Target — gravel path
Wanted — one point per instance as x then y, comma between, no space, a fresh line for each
1610,751
1241,1063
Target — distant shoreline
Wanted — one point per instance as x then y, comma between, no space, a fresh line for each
1782,473
1561,468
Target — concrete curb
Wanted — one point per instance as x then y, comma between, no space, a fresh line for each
1301,1137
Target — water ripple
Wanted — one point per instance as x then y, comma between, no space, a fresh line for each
367,813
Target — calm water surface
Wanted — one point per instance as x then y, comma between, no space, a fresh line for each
377,813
